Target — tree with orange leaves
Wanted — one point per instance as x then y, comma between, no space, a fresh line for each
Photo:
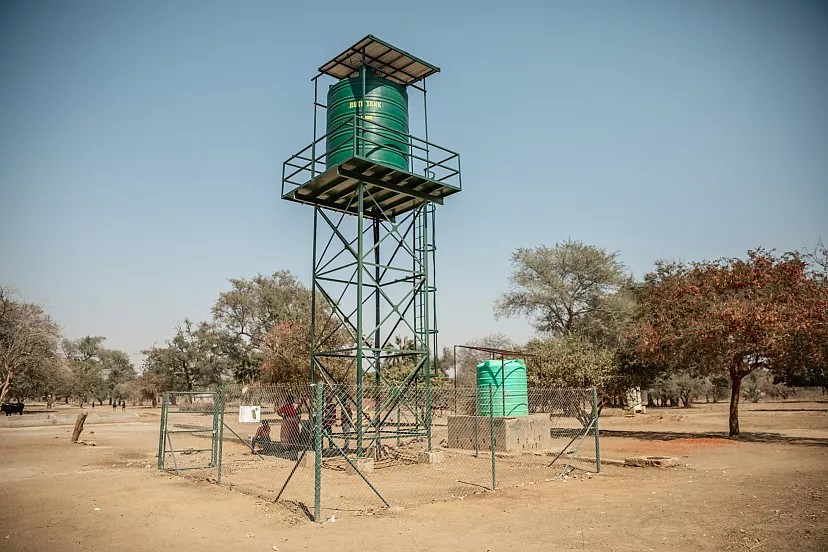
737,315
286,349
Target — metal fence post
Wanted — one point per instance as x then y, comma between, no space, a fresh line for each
492,438
597,438
214,434
317,476
162,432
221,430
476,425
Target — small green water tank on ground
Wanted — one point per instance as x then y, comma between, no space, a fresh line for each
384,132
508,384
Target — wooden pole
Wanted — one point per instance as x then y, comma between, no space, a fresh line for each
78,426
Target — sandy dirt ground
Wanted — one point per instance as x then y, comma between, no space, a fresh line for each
767,491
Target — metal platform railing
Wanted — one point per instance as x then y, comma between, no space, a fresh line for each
424,158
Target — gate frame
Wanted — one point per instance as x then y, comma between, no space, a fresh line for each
216,433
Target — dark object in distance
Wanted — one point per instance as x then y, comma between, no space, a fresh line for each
8,409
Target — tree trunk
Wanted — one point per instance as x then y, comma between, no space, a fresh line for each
78,426
736,387
4,388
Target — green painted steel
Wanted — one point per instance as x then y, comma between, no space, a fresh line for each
317,461
492,444
595,415
162,453
383,136
508,380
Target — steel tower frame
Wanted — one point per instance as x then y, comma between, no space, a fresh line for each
374,253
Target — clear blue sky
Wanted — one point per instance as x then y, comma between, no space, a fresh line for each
141,142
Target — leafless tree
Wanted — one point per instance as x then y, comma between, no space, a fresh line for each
28,339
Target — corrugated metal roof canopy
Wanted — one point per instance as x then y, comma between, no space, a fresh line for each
387,60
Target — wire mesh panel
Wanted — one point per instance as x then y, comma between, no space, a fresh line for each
309,446
268,431
188,437
555,437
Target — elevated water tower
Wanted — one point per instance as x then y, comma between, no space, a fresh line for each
373,187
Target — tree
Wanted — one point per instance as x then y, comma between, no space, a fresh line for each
574,361
94,370
245,315
84,357
810,369
566,288
147,386
397,367
28,342
286,353
45,378
117,367
678,387
737,315
192,358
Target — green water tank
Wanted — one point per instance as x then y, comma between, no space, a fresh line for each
383,136
508,384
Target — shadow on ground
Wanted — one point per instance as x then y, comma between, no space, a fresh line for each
745,437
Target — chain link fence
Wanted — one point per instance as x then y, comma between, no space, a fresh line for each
340,450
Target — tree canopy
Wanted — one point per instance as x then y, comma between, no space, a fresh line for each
29,341
572,361
94,370
567,288
192,358
734,315
244,315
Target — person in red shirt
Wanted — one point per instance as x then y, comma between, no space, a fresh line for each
289,433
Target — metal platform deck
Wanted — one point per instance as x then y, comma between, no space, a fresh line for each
400,191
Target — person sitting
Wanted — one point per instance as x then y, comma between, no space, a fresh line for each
262,437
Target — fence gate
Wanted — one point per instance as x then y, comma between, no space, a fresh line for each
192,426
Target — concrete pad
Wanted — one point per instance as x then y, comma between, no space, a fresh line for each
651,461
512,434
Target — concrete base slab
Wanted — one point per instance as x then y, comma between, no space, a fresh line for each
364,465
651,461
433,457
512,434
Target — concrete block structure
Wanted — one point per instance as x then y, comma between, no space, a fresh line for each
512,434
